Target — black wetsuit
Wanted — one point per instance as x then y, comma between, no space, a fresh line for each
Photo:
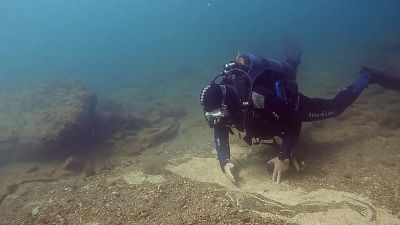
279,110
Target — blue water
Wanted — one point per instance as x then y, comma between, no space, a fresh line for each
114,44
143,52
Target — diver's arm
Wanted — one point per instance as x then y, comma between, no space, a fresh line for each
290,137
221,137
286,149
281,163
288,100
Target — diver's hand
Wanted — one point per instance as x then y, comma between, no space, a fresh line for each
280,166
228,171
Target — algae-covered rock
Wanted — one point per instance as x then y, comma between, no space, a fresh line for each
160,112
64,118
112,119
158,133
150,136
44,119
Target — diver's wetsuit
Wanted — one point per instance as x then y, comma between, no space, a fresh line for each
280,111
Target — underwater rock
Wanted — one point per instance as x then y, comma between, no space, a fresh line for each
153,117
171,111
72,164
60,119
160,112
167,128
41,121
150,136
109,123
112,118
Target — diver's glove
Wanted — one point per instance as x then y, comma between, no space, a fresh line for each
280,166
228,168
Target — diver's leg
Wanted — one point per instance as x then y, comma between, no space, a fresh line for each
314,109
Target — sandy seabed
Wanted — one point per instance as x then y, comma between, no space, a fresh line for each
351,177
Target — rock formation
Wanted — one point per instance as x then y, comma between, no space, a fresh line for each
43,120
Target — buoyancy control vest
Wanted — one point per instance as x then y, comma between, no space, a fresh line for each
243,74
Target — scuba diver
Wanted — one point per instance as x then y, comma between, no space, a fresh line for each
260,97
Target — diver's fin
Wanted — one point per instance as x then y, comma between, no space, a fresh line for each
386,80
292,51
